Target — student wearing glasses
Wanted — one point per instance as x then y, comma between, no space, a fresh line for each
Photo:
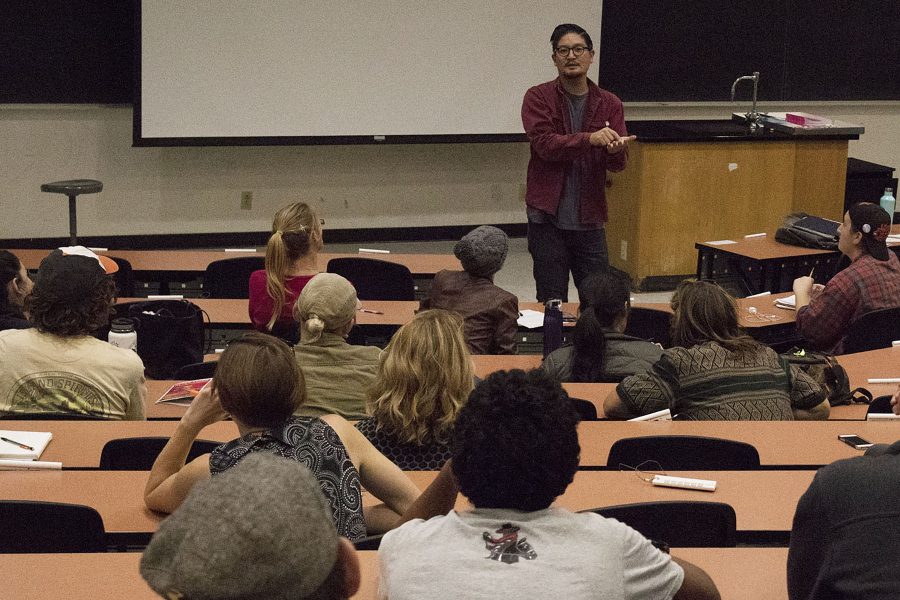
577,133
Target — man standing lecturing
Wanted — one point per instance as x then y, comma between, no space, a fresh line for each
577,133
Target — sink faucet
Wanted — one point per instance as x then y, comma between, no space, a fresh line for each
753,117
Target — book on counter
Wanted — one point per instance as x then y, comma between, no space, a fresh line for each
23,445
183,392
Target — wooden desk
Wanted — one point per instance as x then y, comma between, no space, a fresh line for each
764,264
806,444
77,444
196,261
764,501
882,363
739,573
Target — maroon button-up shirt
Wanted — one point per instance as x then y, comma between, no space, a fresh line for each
556,148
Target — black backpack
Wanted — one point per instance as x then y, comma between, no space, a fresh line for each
171,334
794,235
826,371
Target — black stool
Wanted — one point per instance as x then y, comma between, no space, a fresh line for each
72,189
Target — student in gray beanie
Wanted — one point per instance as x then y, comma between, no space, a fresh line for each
490,312
260,530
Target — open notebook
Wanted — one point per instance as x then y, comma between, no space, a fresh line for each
12,442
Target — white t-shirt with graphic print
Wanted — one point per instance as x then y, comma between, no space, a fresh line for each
552,553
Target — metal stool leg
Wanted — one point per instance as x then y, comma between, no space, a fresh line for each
73,222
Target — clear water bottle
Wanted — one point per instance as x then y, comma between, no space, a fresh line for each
553,325
888,202
122,334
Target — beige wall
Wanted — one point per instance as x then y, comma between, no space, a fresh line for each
181,190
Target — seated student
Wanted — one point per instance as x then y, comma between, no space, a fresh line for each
59,366
845,541
337,373
599,348
261,530
259,384
515,449
490,312
424,378
871,282
18,285
716,372
291,261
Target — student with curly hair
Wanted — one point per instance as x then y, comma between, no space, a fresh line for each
59,366
599,349
18,285
259,384
515,450
423,380
716,372
291,261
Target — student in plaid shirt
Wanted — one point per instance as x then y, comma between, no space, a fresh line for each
871,282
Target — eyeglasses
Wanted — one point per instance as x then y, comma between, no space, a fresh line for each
563,51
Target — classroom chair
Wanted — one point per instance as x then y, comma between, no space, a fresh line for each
51,416
38,527
881,405
139,453
375,279
124,278
198,370
681,524
683,452
585,409
651,325
873,330
230,277
371,542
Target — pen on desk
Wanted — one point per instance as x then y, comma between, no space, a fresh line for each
371,312
19,444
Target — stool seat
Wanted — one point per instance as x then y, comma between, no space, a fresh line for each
73,187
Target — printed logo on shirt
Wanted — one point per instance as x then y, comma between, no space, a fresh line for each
58,391
506,546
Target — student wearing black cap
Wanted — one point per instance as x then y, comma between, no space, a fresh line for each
871,282
59,366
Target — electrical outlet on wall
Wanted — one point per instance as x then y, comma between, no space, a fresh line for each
623,250
246,200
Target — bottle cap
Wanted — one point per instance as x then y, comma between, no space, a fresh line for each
122,325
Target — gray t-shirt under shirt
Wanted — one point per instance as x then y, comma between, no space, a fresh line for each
552,553
568,214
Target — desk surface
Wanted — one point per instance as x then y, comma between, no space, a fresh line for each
763,500
78,444
767,248
197,260
739,573
780,443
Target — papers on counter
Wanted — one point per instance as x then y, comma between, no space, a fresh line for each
530,319
789,302
11,446
721,242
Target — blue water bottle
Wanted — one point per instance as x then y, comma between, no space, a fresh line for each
553,325
888,202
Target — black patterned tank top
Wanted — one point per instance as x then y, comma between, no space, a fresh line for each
313,443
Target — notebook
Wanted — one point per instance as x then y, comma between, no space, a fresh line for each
36,440
183,392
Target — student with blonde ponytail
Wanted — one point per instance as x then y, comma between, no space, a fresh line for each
291,261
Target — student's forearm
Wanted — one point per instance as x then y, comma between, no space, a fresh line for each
173,455
438,498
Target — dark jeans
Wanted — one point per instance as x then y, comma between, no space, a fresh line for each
557,251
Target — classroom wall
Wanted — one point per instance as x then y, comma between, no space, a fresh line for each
183,190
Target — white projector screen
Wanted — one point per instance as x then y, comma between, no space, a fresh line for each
296,71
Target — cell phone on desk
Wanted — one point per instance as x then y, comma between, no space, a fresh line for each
855,441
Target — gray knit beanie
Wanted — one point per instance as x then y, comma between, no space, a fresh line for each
259,530
482,251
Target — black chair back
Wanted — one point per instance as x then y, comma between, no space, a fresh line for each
375,279
679,524
651,325
139,453
683,452
873,330
36,527
372,542
51,416
124,278
585,409
200,370
230,277
881,404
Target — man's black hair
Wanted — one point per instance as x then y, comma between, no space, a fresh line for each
565,28
515,442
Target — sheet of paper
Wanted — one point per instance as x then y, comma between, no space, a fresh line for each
530,319
721,242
